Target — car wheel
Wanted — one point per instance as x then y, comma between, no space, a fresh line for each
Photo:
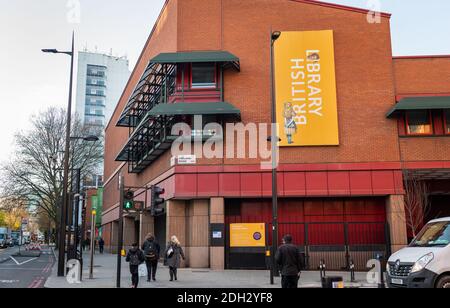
443,283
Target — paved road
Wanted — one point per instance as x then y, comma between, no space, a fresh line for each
25,272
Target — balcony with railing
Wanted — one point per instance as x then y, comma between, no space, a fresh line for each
174,88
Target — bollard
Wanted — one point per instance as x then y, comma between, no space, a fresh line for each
352,271
322,268
381,284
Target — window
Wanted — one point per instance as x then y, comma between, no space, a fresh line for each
418,122
95,92
96,71
447,121
203,75
433,235
94,120
95,101
95,82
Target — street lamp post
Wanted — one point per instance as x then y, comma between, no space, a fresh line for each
62,231
274,142
120,231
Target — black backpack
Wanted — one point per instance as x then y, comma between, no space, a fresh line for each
135,259
150,252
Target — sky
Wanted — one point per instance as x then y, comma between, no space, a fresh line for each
31,81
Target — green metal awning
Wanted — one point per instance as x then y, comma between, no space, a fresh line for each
197,57
420,103
223,108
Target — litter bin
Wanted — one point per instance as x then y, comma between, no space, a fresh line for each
332,282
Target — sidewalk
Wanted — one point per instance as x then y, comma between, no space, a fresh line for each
105,277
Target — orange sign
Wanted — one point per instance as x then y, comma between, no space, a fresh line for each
306,88
248,235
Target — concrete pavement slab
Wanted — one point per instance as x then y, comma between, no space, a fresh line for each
105,277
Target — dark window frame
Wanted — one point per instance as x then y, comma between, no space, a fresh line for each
446,116
430,119
199,86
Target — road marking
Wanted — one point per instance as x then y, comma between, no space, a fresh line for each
9,281
47,268
37,282
19,264
20,269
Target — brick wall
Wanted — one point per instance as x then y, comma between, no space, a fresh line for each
162,38
363,68
364,74
422,76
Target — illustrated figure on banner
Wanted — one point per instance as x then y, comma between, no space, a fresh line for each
290,127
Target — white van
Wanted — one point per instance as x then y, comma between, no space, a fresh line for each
425,263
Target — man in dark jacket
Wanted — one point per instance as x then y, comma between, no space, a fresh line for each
101,245
289,260
151,251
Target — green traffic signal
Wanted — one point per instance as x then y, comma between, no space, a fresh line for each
128,205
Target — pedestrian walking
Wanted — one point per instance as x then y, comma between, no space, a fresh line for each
289,260
151,252
101,245
172,257
135,257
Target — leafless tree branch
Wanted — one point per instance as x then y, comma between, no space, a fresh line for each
35,172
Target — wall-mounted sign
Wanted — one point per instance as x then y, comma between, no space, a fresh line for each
183,160
305,82
248,235
217,234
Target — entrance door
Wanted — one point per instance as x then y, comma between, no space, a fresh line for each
137,229
160,231
337,231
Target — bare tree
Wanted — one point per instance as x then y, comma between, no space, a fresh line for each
35,173
417,202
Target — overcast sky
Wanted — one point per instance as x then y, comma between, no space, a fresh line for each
31,81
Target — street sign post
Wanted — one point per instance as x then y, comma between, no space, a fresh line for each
91,269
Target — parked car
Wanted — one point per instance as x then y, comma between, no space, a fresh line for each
3,243
10,242
15,236
425,263
3,238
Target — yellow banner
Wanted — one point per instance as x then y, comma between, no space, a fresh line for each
305,83
248,235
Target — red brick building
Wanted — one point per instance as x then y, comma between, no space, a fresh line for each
340,202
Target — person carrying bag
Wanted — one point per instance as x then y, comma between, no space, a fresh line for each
172,257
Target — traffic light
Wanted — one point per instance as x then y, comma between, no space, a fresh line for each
128,202
157,208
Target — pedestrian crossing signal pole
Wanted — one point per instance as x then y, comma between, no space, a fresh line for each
93,221
120,230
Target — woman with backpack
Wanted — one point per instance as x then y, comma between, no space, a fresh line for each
172,257
151,252
135,257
